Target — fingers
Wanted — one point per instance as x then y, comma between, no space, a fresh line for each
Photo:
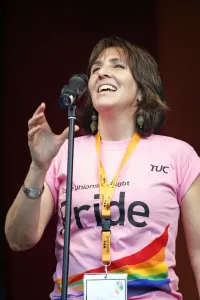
40,109
32,132
37,119
38,116
65,133
76,128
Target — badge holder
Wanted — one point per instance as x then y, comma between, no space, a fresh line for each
105,286
106,268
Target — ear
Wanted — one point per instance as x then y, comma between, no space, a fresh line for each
139,96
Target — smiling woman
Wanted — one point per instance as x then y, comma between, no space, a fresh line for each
129,184
131,74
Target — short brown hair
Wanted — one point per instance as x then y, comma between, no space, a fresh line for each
144,70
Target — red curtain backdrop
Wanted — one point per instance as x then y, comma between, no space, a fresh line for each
45,43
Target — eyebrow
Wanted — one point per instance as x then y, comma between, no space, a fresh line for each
112,60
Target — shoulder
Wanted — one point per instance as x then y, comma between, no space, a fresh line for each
178,151
80,143
84,139
169,144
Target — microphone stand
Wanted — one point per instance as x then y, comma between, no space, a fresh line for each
74,90
71,118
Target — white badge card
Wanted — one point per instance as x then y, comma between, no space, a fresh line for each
105,286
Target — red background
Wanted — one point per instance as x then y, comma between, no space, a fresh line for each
44,45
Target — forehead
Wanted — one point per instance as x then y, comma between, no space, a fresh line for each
112,52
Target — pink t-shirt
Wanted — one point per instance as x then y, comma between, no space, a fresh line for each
145,212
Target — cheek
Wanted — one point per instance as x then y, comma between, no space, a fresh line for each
91,85
132,87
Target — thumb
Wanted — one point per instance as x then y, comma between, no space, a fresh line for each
65,133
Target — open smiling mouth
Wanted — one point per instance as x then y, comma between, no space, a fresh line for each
107,88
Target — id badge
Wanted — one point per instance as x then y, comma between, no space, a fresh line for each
105,286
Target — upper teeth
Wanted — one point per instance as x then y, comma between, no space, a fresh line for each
107,87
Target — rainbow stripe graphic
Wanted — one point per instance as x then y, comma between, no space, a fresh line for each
146,270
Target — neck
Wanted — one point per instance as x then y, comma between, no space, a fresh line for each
116,128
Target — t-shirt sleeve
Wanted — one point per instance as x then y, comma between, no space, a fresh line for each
50,181
189,170
54,174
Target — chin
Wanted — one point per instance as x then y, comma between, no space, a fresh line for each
105,102
100,107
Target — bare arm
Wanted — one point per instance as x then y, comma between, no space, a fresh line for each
27,218
190,208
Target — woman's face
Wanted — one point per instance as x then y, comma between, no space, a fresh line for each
111,83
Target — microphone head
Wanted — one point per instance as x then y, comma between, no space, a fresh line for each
78,84
80,76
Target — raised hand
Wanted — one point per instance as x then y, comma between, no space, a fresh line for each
43,143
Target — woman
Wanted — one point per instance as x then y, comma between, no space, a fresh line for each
157,178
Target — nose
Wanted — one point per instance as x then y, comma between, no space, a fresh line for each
104,71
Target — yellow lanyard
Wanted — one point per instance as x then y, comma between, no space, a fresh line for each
107,191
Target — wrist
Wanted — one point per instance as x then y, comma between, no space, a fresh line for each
38,169
35,177
33,193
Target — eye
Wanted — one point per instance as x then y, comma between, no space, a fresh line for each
94,70
119,66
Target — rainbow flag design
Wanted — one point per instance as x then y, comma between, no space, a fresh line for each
119,287
146,270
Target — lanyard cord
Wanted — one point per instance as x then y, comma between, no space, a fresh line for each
107,191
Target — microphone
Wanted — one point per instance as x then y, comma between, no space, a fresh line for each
74,90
